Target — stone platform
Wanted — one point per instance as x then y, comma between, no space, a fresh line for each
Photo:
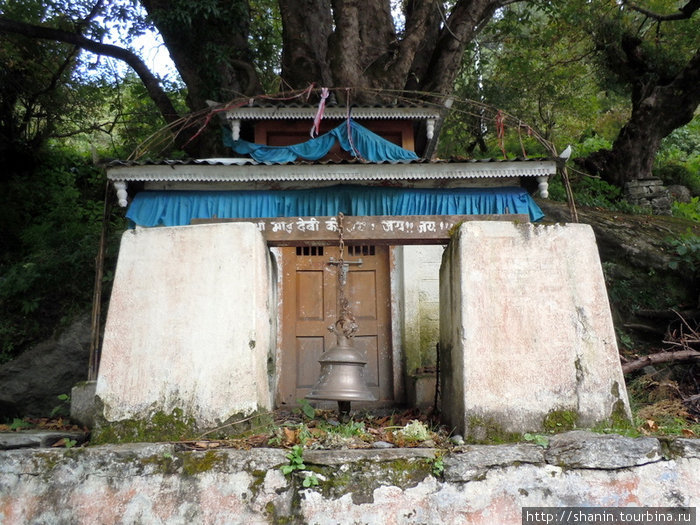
475,484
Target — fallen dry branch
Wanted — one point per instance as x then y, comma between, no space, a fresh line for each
660,357
682,345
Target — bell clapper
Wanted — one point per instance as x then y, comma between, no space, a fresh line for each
343,411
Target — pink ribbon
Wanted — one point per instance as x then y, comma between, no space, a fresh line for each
319,114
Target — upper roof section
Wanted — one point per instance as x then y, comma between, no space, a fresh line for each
248,170
258,110
280,123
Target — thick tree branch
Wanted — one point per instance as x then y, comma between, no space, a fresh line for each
684,13
660,357
415,33
344,44
155,91
463,23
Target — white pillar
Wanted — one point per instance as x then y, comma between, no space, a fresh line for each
189,326
526,330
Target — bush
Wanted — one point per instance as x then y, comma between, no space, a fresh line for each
593,193
591,145
47,265
687,210
686,253
684,173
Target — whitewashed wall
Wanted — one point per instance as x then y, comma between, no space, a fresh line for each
526,329
190,325
421,304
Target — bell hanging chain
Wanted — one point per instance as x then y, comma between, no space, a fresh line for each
346,321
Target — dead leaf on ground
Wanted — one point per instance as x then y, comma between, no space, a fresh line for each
648,427
291,436
207,444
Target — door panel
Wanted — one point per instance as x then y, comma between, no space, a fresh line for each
309,349
361,288
310,306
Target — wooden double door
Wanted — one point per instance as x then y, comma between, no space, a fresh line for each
310,305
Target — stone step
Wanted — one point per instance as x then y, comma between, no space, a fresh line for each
39,438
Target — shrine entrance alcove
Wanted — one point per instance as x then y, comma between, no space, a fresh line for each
385,287
310,305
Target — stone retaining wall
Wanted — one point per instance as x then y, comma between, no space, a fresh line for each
478,484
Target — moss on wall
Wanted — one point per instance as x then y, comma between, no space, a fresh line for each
195,463
175,426
361,479
488,431
560,420
159,427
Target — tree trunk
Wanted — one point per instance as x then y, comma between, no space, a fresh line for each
363,40
365,52
210,50
657,109
306,26
335,43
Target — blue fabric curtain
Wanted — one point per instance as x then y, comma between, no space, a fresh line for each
368,145
177,208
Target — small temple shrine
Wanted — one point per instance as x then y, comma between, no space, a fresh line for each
228,279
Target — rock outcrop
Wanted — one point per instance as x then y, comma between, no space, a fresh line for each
31,383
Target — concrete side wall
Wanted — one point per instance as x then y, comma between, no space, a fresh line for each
527,337
421,301
479,485
189,325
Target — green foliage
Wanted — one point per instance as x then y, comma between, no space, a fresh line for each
310,480
438,466
296,460
678,159
305,408
531,62
591,145
537,439
595,193
266,42
623,339
52,220
687,210
63,408
557,192
349,429
20,424
686,250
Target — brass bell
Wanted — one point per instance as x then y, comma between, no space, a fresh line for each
342,376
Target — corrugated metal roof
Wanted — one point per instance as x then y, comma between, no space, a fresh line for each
247,170
297,110
243,161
